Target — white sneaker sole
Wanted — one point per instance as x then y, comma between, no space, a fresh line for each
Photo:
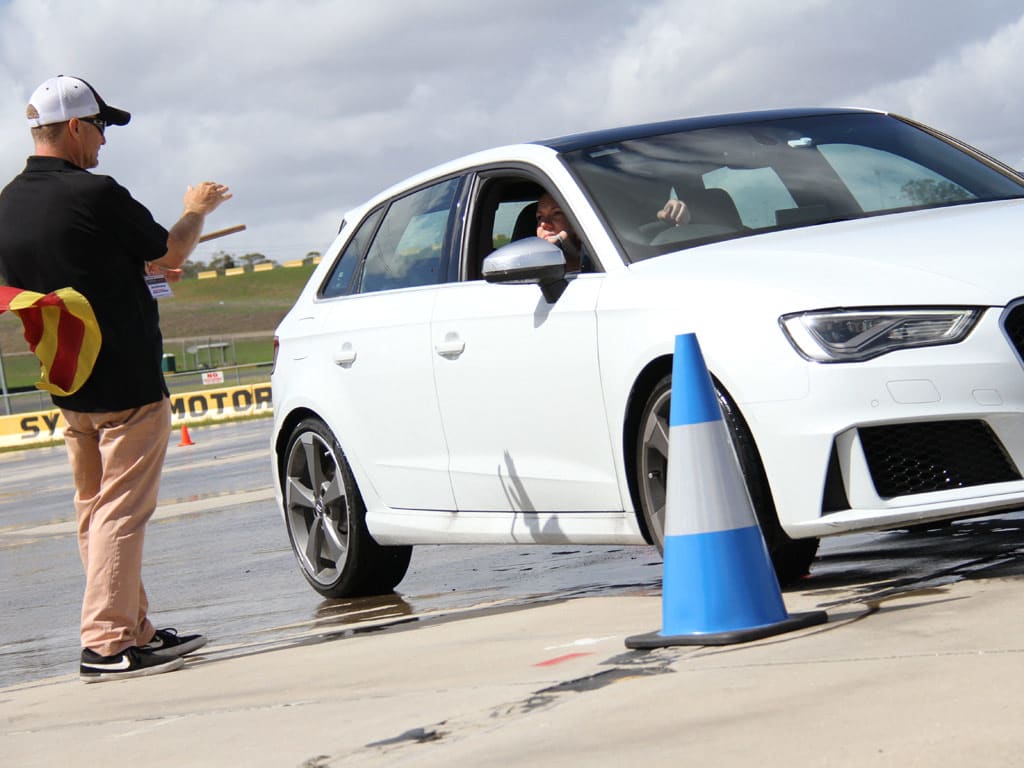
100,676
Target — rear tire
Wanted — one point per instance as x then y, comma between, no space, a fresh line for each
791,557
326,520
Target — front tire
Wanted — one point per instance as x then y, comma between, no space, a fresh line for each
326,520
791,557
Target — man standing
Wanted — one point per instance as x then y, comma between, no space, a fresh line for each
61,226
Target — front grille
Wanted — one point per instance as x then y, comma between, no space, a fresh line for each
934,456
1013,323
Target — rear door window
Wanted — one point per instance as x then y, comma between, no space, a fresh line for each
411,246
339,282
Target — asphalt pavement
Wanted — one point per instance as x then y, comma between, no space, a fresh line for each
919,664
927,677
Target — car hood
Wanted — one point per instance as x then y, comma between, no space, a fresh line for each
968,255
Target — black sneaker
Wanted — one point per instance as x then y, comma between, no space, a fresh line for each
131,662
167,643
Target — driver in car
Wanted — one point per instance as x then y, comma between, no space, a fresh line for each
553,225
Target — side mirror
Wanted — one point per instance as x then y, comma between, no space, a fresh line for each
531,260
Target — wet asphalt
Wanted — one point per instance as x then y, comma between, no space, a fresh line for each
221,563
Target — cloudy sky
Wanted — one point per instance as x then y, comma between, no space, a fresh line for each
308,107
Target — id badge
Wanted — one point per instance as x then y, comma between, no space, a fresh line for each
158,286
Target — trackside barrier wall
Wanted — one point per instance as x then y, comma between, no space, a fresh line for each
187,407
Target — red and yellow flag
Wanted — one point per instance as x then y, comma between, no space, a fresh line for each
61,330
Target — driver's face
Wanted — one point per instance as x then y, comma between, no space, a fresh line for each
550,219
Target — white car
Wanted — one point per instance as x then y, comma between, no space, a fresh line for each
855,280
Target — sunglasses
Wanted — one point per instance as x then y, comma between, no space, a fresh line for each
101,125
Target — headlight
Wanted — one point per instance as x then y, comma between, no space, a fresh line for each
851,335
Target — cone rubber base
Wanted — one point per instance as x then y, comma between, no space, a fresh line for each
794,622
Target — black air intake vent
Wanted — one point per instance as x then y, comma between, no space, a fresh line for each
934,456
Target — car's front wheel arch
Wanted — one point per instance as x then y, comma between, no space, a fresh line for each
640,394
645,450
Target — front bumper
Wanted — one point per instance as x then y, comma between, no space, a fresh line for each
910,437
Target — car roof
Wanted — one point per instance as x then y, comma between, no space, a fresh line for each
533,150
625,133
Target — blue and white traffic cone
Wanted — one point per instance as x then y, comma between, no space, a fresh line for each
718,584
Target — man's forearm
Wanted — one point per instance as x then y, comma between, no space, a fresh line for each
184,235
182,239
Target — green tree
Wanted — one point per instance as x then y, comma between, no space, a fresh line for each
932,192
251,259
192,268
222,260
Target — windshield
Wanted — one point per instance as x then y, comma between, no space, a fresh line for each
742,180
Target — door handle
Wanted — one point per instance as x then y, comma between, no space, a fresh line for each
345,356
451,347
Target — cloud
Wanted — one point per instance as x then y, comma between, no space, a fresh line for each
308,107
736,55
971,93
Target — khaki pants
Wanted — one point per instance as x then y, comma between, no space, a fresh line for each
116,459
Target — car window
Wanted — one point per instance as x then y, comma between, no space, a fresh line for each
505,218
505,210
757,192
882,181
339,282
410,245
741,179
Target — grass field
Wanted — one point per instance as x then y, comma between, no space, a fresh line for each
241,310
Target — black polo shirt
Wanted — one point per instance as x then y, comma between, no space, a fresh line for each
61,226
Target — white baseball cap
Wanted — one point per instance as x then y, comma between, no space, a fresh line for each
61,98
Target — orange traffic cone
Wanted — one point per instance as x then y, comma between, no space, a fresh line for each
185,439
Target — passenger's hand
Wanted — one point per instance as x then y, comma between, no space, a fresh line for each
205,197
675,212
